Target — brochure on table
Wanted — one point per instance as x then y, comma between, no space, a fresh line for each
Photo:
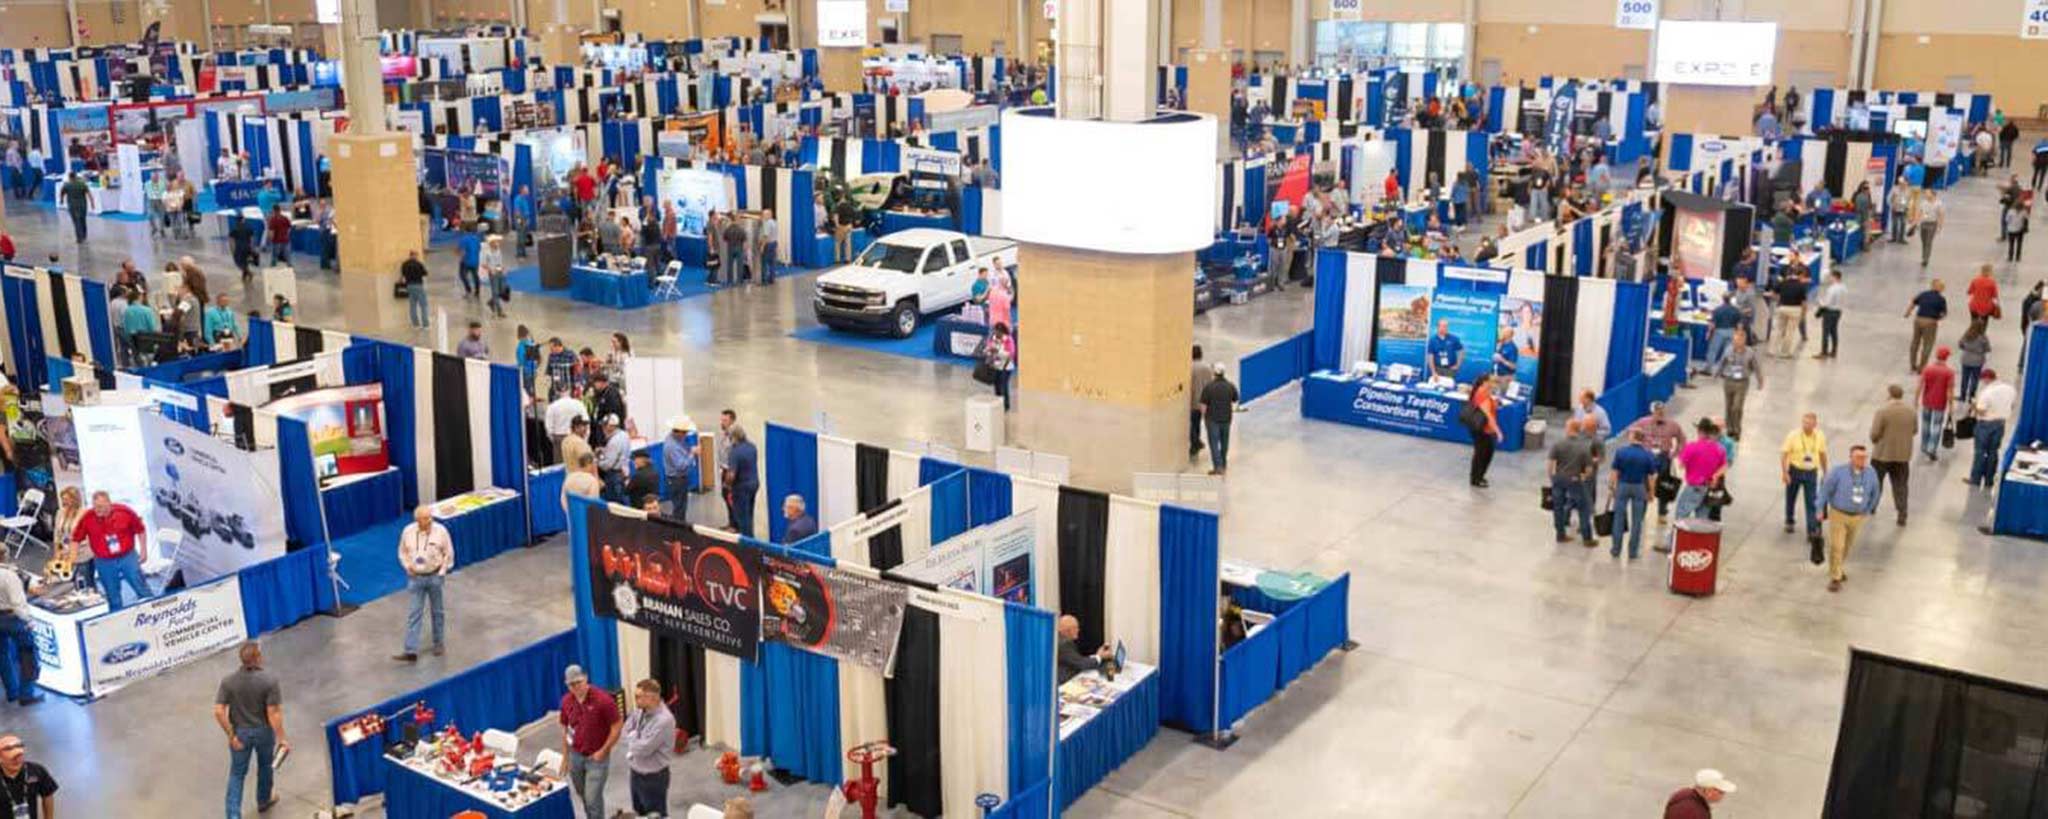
1089,694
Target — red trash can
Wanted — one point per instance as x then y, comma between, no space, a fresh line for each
1695,556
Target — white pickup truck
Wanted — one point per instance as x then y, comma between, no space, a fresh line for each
905,276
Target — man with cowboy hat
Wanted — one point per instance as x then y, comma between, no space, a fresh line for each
679,466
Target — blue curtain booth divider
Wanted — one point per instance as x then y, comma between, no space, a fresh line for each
1332,273
2023,507
544,513
409,793
1631,333
988,496
1034,712
1188,566
504,693
789,701
304,520
360,504
282,591
949,505
1300,635
1276,366
395,364
792,465
181,370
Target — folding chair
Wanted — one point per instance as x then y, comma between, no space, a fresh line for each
665,284
18,527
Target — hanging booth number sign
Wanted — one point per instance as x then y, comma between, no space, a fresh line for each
1635,14
1346,9
2034,26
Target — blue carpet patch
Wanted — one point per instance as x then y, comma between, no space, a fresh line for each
367,562
918,345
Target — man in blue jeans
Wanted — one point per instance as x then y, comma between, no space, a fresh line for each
414,273
1721,323
590,728
250,709
1571,474
472,244
426,553
119,547
1218,403
15,638
1635,467
1802,460
678,467
1992,407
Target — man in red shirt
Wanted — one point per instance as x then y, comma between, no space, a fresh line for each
1983,295
1393,187
1937,385
586,189
117,536
590,727
280,236
1697,802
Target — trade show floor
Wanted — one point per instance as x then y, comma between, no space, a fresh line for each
1498,671
918,345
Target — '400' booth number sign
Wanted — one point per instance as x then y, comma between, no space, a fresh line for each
1346,9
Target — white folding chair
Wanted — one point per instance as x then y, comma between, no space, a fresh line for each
164,558
18,526
665,284
334,569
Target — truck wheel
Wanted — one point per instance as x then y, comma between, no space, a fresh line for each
904,320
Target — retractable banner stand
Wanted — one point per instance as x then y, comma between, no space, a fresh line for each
162,633
223,500
666,577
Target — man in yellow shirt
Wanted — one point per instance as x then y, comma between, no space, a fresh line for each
1801,462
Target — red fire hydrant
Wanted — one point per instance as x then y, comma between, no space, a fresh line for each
867,790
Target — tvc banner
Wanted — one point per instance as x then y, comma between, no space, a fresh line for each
665,577
162,633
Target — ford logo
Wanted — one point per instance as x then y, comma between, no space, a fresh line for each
124,652
173,445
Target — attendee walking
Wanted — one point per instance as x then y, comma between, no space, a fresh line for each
491,262
414,274
1663,437
590,727
1572,470
650,736
1791,312
1697,802
1483,423
1932,214
746,481
1893,433
1850,493
2016,223
1740,371
1630,479
1219,402
78,200
1992,409
1722,323
1828,305
1802,460
1000,354
1198,379
1927,310
1983,295
471,248
1937,385
427,553
1901,210
249,707
120,546
1974,350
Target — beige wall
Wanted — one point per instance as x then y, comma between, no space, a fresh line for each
34,24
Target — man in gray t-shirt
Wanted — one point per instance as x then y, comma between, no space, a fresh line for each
1572,468
250,709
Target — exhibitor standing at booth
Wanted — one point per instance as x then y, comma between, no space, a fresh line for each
426,553
119,546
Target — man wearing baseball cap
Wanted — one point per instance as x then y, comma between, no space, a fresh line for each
1697,802
1937,385
590,727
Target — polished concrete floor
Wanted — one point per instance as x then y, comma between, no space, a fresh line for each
1498,674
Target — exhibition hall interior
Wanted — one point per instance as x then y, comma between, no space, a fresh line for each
628,408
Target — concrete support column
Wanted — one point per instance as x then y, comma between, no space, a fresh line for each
1472,42
1212,25
1209,92
361,68
839,69
1165,41
1300,43
1130,73
1857,24
374,222
1875,35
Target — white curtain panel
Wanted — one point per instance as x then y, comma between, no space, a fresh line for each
973,702
917,524
284,340
1031,493
721,680
636,661
1592,330
248,387
903,472
327,371
1131,582
838,495
1420,272
74,299
477,377
1361,299
46,310
863,707
423,424
265,430
848,550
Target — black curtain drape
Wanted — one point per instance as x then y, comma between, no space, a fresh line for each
1918,740
245,426
1083,544
1433,162
1385,271
60,307
885,548
912,697
1835,170
871,492
451,427
679,668
1554,361
310,342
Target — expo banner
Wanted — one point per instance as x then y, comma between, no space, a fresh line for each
162,633
664,576
835,612
224,500
994,560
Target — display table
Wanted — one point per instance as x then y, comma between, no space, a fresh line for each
482,524
1296,620
1402,408
412,793
958,338
897,220
1094,740
624,291
1661,378
2023,497
544,512
60,640
354,503
237,195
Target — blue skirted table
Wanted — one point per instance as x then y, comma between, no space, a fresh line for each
237,194
1097,746
896,220
1422,413
957,337
411,794
2022,509
544,512
1661,383
623,291
486,531
356,503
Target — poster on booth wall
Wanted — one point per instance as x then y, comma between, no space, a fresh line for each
344,425
1521,325
1472,314
90,128
110,454
696,194
994,560
838,613
1404,325
162,633
931,161
224,501
666,577
484,171
1944,136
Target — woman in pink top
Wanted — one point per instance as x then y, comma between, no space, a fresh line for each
1703,462
1000,298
